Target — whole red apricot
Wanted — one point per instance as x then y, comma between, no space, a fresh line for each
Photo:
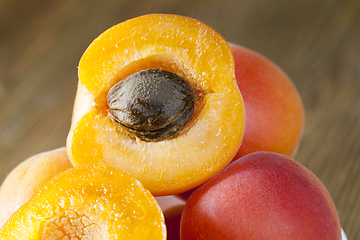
274,110
260,196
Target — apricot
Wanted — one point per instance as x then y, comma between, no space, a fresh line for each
275,114
28,177
262,195
172,137
92,201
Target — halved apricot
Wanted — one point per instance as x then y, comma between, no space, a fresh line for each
206,129
92,201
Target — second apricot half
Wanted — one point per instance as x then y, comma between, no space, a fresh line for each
157,97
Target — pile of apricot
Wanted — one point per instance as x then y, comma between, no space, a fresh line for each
165,106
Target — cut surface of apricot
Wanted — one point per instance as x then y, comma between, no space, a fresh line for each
203,145
92,201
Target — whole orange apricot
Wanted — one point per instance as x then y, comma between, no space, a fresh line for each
275,114
262,195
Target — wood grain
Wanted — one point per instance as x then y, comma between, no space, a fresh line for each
317,43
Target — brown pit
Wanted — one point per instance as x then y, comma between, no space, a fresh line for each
152,105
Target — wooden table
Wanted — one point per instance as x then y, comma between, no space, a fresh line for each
317,43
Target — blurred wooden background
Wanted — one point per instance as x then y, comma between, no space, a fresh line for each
317,43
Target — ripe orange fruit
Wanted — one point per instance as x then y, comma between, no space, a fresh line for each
206,129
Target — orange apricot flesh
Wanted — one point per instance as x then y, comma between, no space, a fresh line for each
180,45
25,180
92,201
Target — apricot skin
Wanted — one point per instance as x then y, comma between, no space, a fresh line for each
262,195
28,177
275,114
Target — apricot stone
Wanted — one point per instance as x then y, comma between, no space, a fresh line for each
262,195
275,114
28,177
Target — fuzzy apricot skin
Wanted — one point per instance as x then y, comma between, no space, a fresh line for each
28,177
275,115
178,44
262,195
93,201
